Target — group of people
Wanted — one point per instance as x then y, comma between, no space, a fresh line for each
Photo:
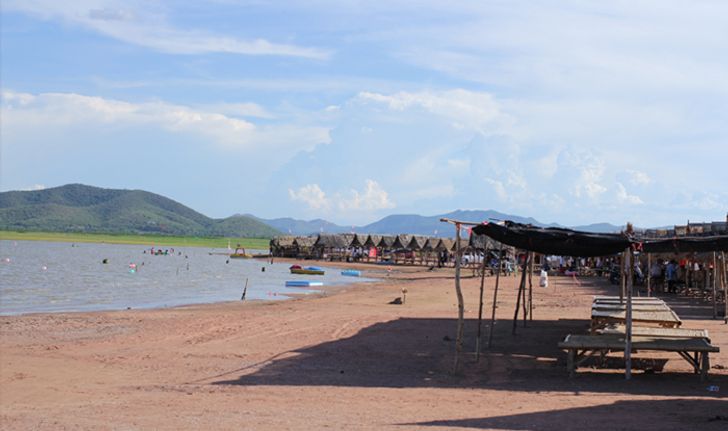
672,274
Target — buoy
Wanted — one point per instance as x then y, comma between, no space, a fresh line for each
262,269
44,267
105,261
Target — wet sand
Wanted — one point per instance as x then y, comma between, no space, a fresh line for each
345,360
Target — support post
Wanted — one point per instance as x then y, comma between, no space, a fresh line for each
521,288
495,295
628,318
530,289
461,305
526,265
623,279
649,275
715,288
480,306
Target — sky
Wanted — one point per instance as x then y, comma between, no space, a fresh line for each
572,112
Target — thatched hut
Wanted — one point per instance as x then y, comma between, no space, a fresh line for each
402,241
360,240
304,246
348,239
417,242
331,246
372,241
386,242
282,246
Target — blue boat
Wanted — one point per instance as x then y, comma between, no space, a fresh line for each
303,283
351,273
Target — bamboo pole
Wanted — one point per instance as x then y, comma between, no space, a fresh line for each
480,306
622,276
530,290
461,305
715,287
521,288
526,265
495,296
649,274
628,318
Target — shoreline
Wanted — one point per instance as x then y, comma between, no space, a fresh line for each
347,360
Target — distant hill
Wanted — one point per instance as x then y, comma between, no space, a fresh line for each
81,208
416,224
292,226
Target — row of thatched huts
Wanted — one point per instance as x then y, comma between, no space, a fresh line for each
398,248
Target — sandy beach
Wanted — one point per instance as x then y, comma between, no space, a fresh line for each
345,360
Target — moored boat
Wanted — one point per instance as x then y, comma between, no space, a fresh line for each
303,283
351,273
309,270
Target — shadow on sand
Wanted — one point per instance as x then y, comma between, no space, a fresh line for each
674,414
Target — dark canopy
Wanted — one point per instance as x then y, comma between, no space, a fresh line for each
557,241
687,245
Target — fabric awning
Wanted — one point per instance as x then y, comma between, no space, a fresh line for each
687,245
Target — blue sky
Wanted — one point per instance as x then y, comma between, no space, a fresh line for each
573,112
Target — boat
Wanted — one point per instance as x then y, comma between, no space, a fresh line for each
240,253
303,283
309,270
351,273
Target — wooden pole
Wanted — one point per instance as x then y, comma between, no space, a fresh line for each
628,318
715,288
526,265
461,305
530,289
623,285
495,296
521,288
724,282
649,274
480,306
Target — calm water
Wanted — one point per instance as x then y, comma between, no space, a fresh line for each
47,277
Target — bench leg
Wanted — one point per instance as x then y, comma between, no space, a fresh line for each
704,366
571,362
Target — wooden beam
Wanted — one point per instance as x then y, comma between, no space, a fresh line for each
480,305
495,295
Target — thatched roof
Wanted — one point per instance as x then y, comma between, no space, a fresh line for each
347,238
402,241
305,241
373,240
464,242
482,242
360,240
431,244
445,244
386,242
417,242
331,241
282,241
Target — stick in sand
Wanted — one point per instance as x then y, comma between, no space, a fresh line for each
495,295
245,290
480,305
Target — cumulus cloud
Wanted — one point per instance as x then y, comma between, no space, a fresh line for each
625,198
639,178
312,196
58,110
464,109
372,198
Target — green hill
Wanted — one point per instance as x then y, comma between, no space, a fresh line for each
80,208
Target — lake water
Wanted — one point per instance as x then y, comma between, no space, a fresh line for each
40,276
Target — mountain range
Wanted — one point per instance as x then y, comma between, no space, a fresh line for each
81,208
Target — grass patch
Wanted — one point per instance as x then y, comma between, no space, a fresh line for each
156,240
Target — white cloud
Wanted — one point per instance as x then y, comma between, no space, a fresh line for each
639,178
139,24
312,196
372,198
34,187
625,198
462,108
59,110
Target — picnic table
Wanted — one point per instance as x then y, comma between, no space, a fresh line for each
656,332
640,306
665,318
582,347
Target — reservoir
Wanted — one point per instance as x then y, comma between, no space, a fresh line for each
37,276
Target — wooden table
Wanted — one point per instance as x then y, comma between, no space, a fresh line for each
664,318
581,347
656,332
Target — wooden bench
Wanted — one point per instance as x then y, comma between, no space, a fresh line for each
635,307
656,332
582,347
664,318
